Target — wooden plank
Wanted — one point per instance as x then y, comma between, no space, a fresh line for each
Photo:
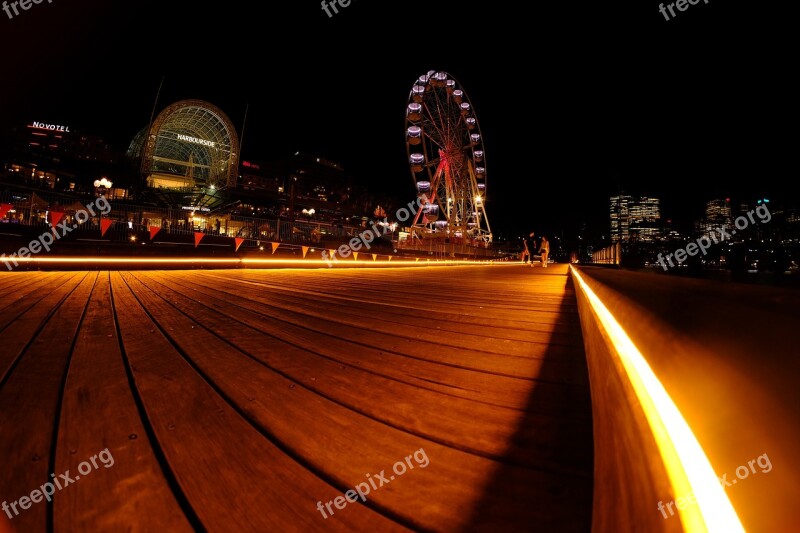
489,387
208,444
418,498
424,324
30,399
416,314
13,283
18,328
411,294
98,412
521,366
254,395
31,291
457,422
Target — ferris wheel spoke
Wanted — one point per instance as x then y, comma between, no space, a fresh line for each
445,123
432,123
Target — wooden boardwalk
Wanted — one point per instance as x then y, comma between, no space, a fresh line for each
235,400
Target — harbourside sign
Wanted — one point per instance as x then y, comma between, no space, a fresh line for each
195,140
51,127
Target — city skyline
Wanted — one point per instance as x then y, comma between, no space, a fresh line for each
686,219
581,131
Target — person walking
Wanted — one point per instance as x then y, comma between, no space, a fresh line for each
544,249
526,254
530,244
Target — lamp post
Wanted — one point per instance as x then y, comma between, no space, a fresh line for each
101,185
291,198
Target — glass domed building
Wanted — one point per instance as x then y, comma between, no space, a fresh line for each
190,144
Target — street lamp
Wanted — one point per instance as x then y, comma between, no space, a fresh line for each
102,184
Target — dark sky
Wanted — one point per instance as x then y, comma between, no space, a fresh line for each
576,101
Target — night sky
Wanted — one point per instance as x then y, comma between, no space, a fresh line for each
576,102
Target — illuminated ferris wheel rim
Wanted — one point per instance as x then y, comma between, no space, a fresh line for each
445,152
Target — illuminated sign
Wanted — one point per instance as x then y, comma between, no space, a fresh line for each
51,127
195,140
248,164
190,208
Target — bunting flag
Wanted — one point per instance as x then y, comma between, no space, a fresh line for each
55,218
5,208
238,241
305,251
390,257
355,256
154,231
197,238
275,246
104,225
416,260
374,257
331,254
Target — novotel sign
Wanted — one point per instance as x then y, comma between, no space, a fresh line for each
51,127
195,140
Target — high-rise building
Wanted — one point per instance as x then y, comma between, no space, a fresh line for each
55,156
718,216
619,212
645,220
635,219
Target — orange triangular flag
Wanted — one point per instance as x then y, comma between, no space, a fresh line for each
417,259
275,246
154,231
374,257
331,254
5,208
355,256
390,258
55,218
238,241
104,225
305,251
197,238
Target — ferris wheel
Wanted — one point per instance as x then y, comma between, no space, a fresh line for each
446,156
